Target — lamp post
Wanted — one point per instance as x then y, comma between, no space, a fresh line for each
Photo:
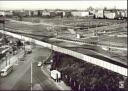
31,75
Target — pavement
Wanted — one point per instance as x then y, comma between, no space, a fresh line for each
61,84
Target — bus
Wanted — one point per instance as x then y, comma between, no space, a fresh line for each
8,69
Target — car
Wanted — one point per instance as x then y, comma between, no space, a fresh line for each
28,51
22,59
39,64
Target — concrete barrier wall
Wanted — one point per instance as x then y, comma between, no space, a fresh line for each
101,63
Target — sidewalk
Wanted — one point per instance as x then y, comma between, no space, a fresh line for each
60,84
12,60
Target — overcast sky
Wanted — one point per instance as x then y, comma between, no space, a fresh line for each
62,4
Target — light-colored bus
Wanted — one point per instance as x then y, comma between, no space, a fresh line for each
8,69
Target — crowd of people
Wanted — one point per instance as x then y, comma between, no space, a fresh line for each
81,75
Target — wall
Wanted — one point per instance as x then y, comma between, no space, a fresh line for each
80,14
102,63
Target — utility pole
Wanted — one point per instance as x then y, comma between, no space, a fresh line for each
31,76
109,48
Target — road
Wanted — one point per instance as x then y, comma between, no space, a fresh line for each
20,78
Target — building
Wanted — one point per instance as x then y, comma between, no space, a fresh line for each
123,14
99,13
110,15
34,13
80,13
2,13
40,12
9,13
52,14
126,14
68,14
6,13
60,14
45,13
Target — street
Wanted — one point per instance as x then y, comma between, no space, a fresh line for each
20,78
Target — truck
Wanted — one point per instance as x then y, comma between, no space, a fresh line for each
56,75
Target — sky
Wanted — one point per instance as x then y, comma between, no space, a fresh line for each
62,4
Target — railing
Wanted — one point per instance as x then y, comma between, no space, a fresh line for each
101,63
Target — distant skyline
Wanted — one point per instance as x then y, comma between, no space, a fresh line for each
11,5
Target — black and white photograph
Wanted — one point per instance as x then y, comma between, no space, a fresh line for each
63,45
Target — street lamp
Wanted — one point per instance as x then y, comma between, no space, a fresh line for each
31,75
31,81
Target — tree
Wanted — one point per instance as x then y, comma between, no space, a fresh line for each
90,8
5,40
105,8
19,43
2,21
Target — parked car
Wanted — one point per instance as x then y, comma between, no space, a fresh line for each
39,64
